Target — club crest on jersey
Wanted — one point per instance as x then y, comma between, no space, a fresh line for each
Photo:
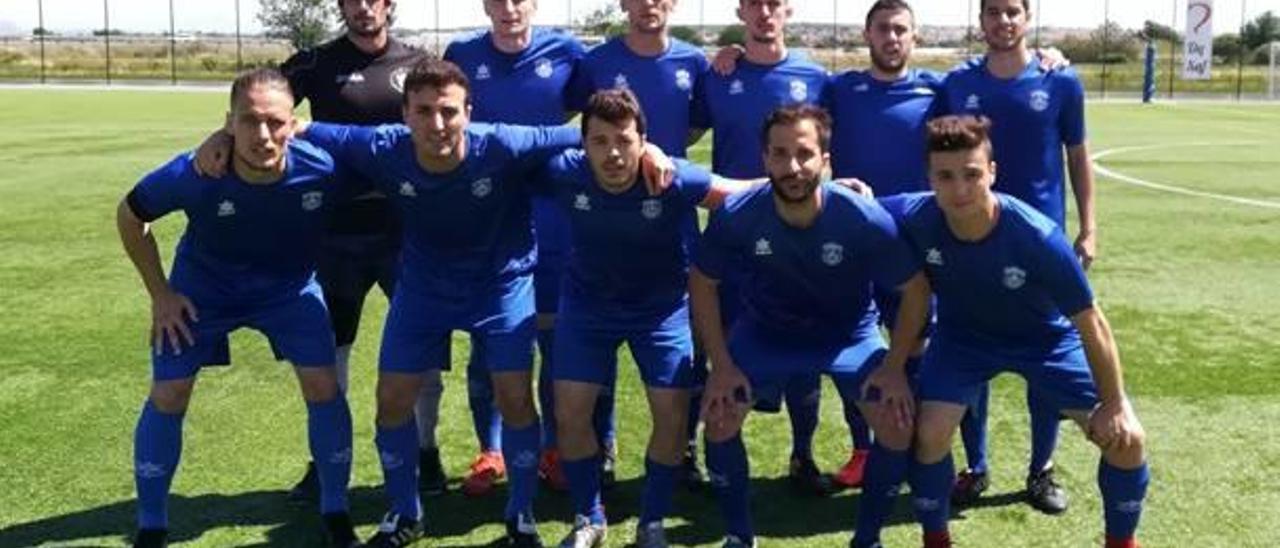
799,91
651,208
397,78
1014,277
763,248
933,257
312,201
683,80
544,69
582,202
620,81
832,254
736,87
862,88
1039,100
482,72
226,208
481,187
406,189
972,103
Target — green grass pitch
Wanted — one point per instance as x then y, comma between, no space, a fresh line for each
1188,280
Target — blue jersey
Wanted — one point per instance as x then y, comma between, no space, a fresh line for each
739,104
1032,117
1012,291
668,87
465,229
630,255
529,87
244,243
878,129
812,283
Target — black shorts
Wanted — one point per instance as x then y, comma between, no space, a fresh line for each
349,267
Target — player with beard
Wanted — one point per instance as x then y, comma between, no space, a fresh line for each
808,252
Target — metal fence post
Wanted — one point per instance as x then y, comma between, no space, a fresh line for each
239,54
106,34
173,49
43,31
1173,48
1242,52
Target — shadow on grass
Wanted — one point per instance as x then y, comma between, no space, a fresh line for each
778,513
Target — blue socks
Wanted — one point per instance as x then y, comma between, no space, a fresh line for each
329,437
584,487
484,413
973,430
1044,430
803,395
547,387
157,447
728,468
1123,492
520,449
886,470
398,452
659,484
931,492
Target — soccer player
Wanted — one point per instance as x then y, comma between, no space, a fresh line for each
1012,297
520,75
246,259
358,78
809,252
766,77
626,282
1035,114
666,75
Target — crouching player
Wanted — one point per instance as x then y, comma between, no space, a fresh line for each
247,259
1011,296
809,252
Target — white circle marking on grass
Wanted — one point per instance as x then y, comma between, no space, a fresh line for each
1104,171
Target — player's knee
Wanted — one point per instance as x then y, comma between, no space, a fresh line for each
318,384
1130,454
432,383
722,431
894,437
396,396
932,440
516,405
171,397
572,415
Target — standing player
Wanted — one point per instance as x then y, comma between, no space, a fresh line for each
520,75
809,252
1012,296
738,102
1035,113
247,259
358,78
666,75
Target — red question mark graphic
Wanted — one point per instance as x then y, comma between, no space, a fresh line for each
1208,13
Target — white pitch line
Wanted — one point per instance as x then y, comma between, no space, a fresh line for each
1103,170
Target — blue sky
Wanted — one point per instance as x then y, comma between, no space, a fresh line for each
19,16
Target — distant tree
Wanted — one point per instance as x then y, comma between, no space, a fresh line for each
1227,47
1152,30
41,31
112,32
1109,43
606,20
1263,30
304,23
732,34
688,34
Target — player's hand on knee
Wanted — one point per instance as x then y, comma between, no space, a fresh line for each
1114,426
657,168
725,60
727,395
170,312
856,185
887,387
213,155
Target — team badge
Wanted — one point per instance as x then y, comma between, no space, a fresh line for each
861,88
651,209
226,209
397,78
581,202
933,257
312,201
1039,100
544,69
736,87
406,189
832,254
799,91
620,81
972,103
482,72
683,80
763,248
481,187
1014,277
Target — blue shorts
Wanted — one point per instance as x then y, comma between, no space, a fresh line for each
500,318
587,351
956,373
771,361
297,328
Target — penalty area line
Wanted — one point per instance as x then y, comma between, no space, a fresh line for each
1121,177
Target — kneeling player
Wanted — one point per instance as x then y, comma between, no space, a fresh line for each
247,259
809,253
1011,297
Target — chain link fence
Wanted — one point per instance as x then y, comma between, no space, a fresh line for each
185,41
